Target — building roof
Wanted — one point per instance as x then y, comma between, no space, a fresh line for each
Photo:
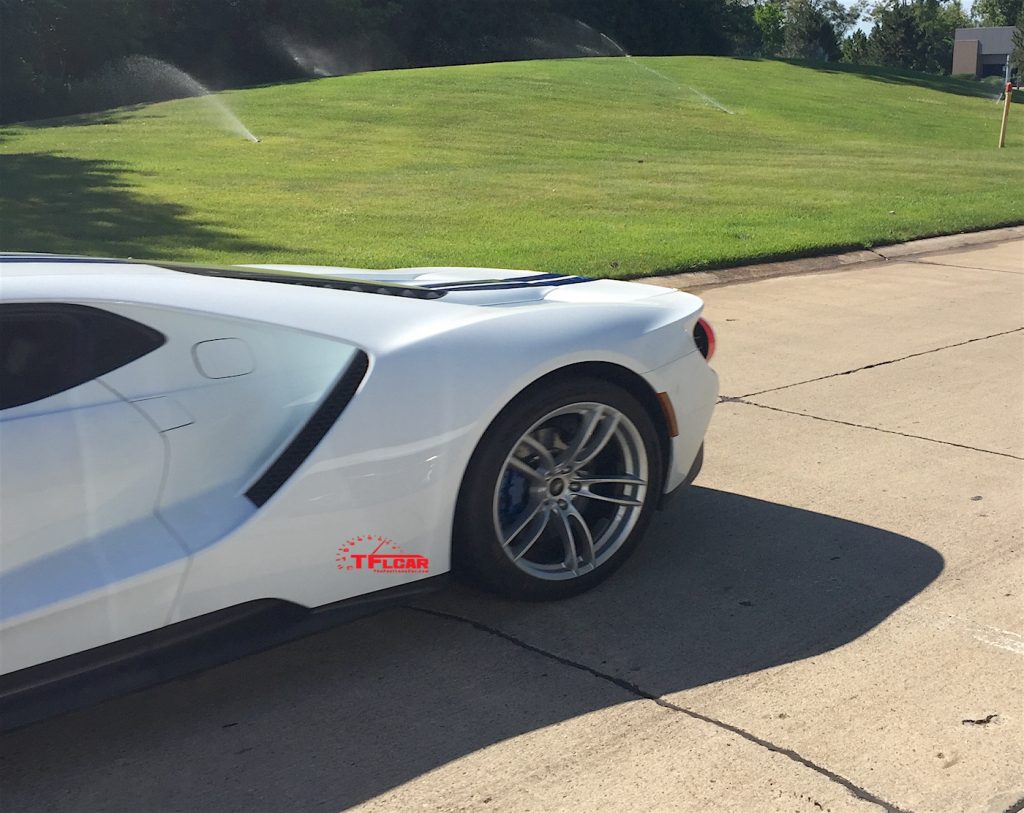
993,40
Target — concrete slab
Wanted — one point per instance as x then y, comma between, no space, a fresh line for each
951,241
1007,256
889,708
860,644
633,757
783,331
971,394
403,711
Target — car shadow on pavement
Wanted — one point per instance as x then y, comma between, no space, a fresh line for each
724,585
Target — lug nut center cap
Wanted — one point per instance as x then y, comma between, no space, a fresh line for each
556,487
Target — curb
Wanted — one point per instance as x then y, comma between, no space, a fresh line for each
690,280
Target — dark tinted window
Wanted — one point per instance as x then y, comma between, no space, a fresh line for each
47,349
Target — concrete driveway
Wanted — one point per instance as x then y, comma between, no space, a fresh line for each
830,620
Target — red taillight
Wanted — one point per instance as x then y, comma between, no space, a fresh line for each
704,336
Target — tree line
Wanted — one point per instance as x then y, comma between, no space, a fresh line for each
63,56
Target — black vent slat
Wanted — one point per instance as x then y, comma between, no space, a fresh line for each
303,444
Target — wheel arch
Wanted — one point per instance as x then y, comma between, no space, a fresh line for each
631,382
600,371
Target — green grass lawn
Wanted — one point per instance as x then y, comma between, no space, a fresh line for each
595,166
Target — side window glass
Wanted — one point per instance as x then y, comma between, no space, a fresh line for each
46,349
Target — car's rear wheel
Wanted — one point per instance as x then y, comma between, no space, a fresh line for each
559,491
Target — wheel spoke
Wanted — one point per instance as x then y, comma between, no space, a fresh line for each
586,537
587,426
571,561
524,547
600,440
590,495
625,479
540,449
525,468
522,525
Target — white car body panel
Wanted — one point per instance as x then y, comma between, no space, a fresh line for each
391,466
84,558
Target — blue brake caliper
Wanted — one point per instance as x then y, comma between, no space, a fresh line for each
513,494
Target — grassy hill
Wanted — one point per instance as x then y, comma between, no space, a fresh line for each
597,166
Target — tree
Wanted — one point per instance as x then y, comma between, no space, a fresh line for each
997,12
843,16
856,48
1017,57
770,17
917,35
46,45
809,33
57,56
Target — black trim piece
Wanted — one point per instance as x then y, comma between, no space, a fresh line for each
303,444
310,279
533,277
135,663
512,283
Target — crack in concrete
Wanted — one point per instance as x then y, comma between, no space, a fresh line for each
964,267
742,400
727,399
982,721
1016,807
640,693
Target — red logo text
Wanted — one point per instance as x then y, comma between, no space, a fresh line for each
378,554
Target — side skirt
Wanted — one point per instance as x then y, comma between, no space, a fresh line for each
136,663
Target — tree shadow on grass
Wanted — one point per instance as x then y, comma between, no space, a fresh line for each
897,76
59,204
724,585
112,116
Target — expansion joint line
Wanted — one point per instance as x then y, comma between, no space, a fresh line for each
876,364
961,267
640,693
745,402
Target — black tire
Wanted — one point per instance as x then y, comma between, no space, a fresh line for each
476,547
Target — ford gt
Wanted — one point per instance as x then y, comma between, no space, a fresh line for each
193,457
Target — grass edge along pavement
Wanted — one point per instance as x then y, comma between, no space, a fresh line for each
604,167
823,263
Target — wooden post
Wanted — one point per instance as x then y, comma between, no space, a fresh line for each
1006,114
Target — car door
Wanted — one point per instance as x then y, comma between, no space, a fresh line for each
84,559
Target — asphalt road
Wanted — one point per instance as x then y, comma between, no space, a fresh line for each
831,619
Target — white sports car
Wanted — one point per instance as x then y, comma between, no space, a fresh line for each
196,462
